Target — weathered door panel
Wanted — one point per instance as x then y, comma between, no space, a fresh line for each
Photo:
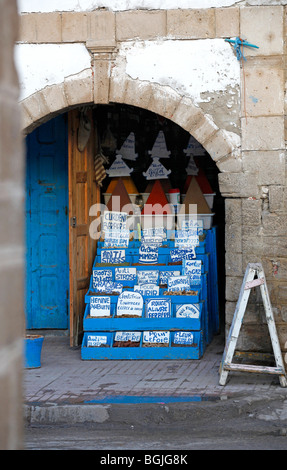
83,193
47,284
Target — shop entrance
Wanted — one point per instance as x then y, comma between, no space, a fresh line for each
61,188
115,122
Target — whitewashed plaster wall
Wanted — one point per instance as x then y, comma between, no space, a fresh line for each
198,69
41,65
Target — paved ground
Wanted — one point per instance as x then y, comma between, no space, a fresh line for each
176,404
65,379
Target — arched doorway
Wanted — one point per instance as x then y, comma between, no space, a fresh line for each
79,191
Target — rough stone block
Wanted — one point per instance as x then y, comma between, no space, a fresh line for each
101,25
140,24
101,81
163,101
79,88
193,24
26,120
55,98
231,164
232,288
253,245
274,224
268,165
204,132
135,93
48,26
27,28
227,22
251,211
277,198
74,27
233,264
275,246
187,115
264,91
37,106
263,133
220,144
233,211
262,26
233,237
118,86
238,185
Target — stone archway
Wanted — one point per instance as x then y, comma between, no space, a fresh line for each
78,90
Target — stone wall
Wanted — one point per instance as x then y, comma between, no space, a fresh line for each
241,126
11,237
255,204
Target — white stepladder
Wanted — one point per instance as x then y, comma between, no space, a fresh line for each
249,281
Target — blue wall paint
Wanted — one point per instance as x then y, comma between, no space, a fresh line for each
47,280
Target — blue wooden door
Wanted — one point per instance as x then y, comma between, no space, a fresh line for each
47,279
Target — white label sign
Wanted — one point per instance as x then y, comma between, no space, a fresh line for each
187,224
119,168
161,337
154,232
178,283
108,287
186,239
100,306
147,289
178,254
130,303
164,275
148,254
113,256
125,274
156,171
192,268
97,340
183,337
150,277
117,238
114,220
102,275
134,336
158,308
187,311
152,240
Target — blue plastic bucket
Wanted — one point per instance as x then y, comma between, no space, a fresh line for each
32,351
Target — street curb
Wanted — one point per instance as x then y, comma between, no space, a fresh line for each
143,414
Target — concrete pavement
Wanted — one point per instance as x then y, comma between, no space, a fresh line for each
68,390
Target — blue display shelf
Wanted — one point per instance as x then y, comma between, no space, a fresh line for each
114,323
174,298
194,351
162,250
202,327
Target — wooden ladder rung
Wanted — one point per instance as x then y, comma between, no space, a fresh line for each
253,368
